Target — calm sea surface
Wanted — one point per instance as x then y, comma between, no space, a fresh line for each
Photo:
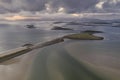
70,60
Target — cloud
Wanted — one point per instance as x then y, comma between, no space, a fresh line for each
35,9
14,6
79,5
108,5
70,6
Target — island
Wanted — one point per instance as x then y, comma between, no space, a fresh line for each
30,26
83,36
60,28
73,23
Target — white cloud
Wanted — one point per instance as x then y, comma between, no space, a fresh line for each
100,5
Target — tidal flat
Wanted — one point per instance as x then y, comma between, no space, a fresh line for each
99,59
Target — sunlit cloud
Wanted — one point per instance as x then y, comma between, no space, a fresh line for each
78,15
61,10
100,5
48,7
16,17
20,17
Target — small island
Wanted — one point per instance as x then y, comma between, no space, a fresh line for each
58,22
31,26
83,36
27,45
73,23
60,28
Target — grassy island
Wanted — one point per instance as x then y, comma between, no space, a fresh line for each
60,28
83,36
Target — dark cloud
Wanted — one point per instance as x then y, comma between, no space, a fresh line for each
7,1
108,6
79,5
21,5
112,5
34,5
71,6
39,5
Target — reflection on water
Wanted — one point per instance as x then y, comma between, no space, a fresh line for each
80,61
71,60
15,35
102,56
17,68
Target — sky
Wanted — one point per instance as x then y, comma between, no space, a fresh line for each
39,9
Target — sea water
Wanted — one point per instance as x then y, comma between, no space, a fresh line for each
79,61
70,60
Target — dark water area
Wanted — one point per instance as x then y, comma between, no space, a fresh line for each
70,60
